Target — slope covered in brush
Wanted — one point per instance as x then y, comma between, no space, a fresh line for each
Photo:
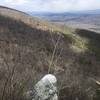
27,53
24,17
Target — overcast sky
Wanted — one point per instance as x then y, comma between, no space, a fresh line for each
52,5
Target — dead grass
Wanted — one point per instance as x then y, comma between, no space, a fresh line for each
26,53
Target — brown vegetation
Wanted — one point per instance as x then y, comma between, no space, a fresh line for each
26,53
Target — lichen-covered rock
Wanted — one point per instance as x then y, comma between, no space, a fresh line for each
46,89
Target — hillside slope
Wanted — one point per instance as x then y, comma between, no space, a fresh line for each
27,53
24,17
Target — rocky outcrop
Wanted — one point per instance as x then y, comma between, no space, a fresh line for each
45,89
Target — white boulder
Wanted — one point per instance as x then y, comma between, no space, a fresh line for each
46,88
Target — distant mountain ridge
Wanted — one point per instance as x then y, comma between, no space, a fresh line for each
89,19
97,11
87,12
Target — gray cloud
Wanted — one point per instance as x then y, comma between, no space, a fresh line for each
52,5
